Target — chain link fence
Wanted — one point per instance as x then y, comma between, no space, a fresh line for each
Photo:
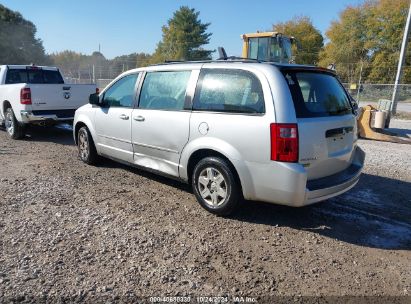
101,83
369,92
365,92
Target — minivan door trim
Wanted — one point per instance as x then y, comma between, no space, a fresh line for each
155,147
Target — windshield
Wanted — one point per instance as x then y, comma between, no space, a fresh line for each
317,94
287,53
274,49
258,48
276,53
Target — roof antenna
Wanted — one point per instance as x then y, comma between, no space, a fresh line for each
222,53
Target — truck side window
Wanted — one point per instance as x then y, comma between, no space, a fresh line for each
236,91
164,90
16,76
121,93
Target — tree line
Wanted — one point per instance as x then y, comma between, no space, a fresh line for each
365,39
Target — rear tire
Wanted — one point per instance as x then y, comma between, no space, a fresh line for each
15,130
215,186
86,148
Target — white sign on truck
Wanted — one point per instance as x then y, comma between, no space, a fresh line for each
37,95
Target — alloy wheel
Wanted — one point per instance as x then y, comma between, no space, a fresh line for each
212,187
83,145
9,123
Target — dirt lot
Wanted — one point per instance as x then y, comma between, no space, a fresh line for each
117,233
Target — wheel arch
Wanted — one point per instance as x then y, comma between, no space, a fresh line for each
239,167
77,127
5,105
83,123
203,153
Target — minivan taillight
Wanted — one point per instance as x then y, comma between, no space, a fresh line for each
284,142
25,96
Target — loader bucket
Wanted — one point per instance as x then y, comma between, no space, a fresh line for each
366,131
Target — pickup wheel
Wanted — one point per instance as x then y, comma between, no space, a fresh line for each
86,148
15,130
215,186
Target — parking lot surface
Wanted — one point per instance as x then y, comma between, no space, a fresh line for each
72,230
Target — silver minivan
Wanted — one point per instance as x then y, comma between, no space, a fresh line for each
233,129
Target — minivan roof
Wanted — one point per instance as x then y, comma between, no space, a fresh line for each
181,65
281,66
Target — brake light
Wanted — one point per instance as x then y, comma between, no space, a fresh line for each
25,96
284,142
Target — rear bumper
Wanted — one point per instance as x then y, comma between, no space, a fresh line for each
47,115
287,184
330,186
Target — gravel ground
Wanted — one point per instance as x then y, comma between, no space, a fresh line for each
112,233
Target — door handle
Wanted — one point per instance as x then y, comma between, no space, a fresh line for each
139,118
124,117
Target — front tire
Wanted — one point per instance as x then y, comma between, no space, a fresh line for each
215,186
15,130
86,148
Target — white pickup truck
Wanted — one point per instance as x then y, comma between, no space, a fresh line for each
37,95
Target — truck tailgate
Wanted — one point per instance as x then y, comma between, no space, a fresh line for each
60,96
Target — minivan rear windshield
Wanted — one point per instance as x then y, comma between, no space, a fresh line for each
33,76
317,94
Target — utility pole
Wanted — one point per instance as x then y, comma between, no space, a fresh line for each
394,100
359,82
94,74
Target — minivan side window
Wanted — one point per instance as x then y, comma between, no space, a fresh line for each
164,90
235,91
121,93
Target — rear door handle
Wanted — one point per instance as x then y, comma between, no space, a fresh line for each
139,118
124,117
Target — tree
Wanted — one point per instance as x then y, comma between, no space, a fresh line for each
346,47
131,61
385,28
309,39
183,38
126,62
80,66
73,64
18,44
369,36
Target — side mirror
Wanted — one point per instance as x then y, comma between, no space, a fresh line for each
355,107
354,104
94,99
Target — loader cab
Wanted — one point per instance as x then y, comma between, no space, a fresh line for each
268,46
